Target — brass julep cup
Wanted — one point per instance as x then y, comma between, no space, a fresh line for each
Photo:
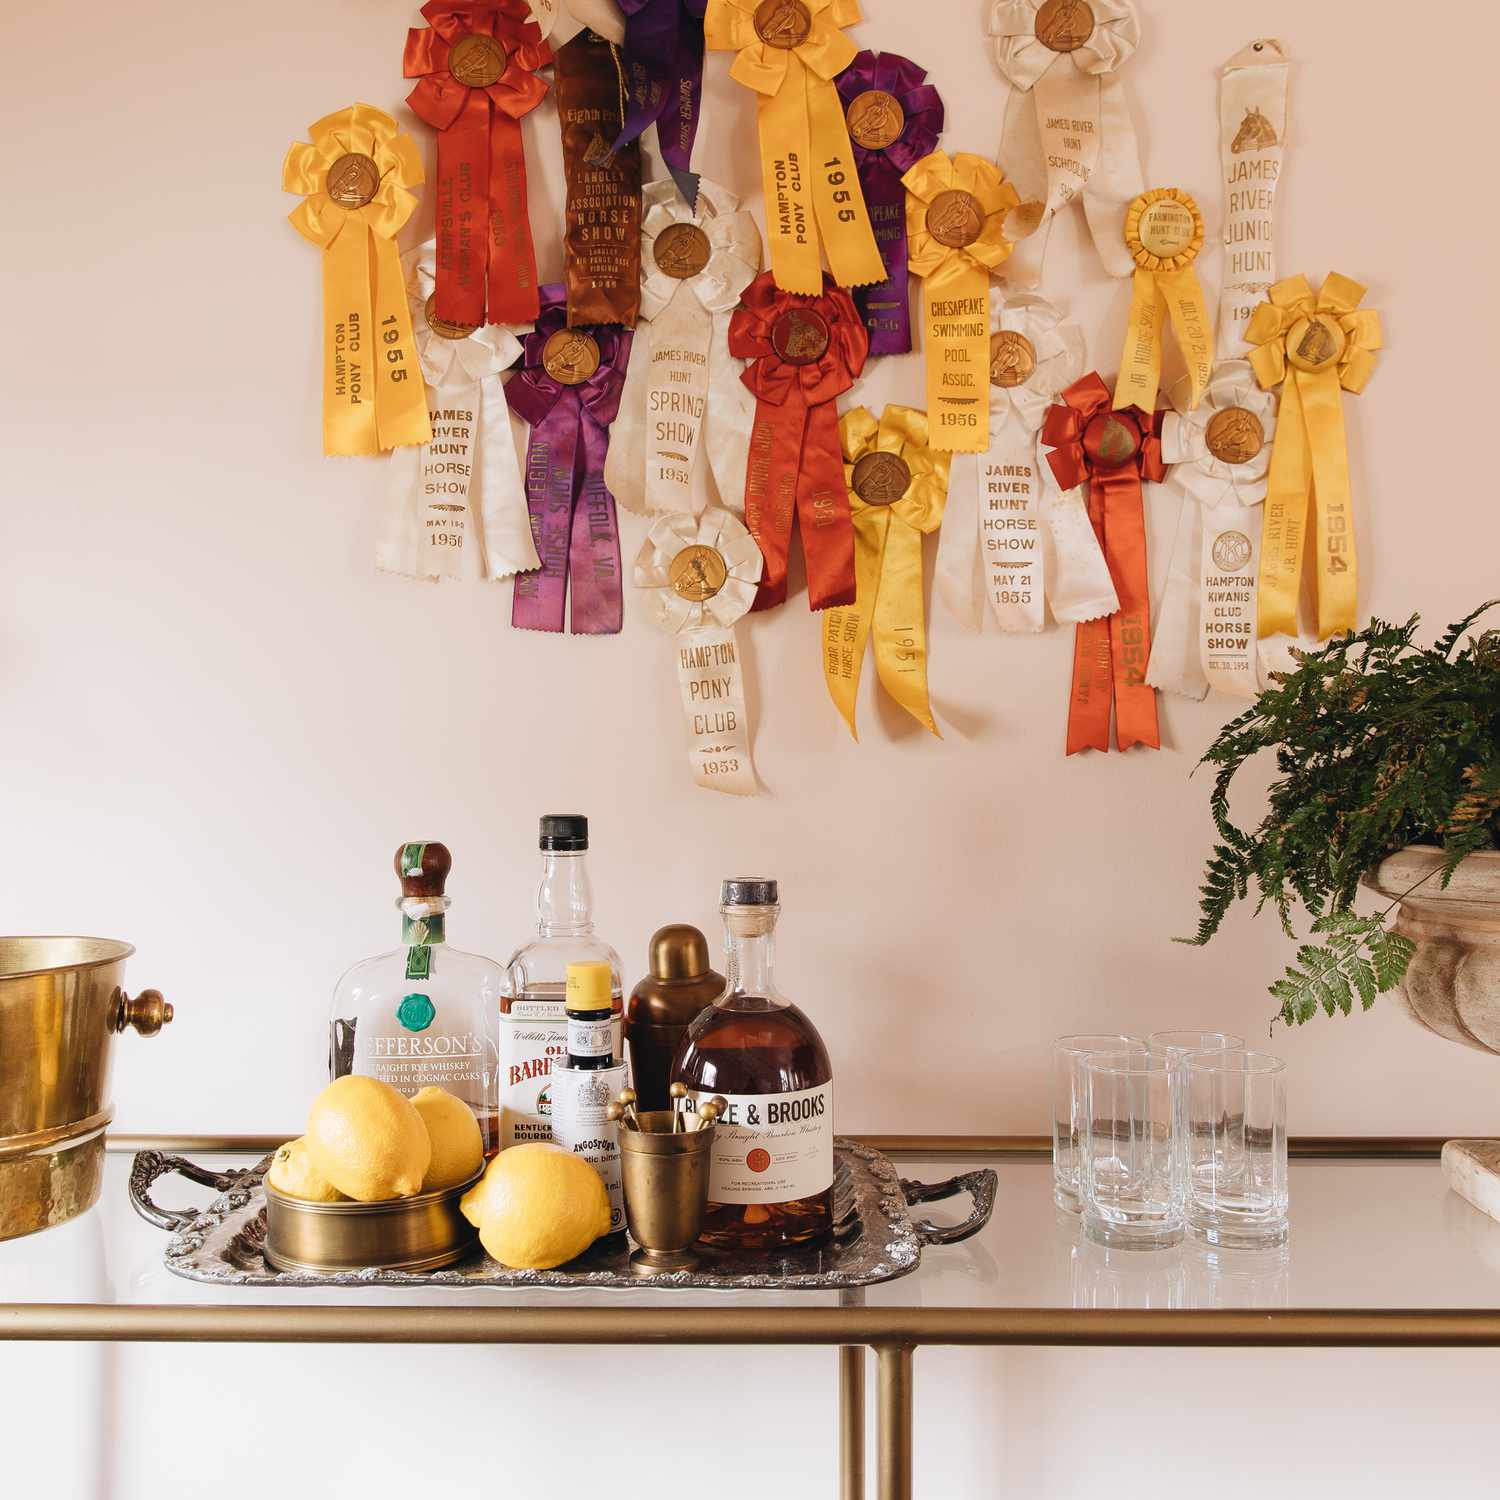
665,1178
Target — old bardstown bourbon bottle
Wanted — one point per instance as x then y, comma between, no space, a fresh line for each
771,1174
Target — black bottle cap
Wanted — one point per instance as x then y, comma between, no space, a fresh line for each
748,890
564,833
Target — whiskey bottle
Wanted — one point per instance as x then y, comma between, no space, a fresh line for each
424,1013
771,1170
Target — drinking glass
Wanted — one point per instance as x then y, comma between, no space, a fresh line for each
1132,1179
1068,1054
1235,1112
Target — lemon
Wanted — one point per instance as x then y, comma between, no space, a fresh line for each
537,1206
457,1146
293,1173
367,1140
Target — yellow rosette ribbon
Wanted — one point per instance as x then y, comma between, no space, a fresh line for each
354,175
955,226
1315,346
898,486
1164,233
789,52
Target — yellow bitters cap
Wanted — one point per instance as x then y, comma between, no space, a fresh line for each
588,986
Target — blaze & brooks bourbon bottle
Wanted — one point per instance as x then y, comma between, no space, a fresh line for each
771,1172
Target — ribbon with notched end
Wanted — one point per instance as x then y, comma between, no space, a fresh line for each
701,572
476,70
695,262
354,175
802,353
1067,131
663,60
1314,346
1111,451
894,118
955,217
568,389
1164,233
789,52
469,470
898,485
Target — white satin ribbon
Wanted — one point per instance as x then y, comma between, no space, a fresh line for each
666,404
709,673
469,467
1068,132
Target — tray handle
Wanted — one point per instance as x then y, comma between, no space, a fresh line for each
149,1165
980,1186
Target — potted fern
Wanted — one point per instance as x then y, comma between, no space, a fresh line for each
1388,757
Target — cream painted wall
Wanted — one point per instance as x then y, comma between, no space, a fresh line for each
221,721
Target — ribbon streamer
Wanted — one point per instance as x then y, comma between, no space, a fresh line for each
1111,451
898,485
695,262
1313,345
702,572
476,70
664,82
470,466
955,218
1067,133
803,352
354,175
568,390
788,52
894,120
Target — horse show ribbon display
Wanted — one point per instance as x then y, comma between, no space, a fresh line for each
894,119
470,466
354,175
702,572
1314,346
695,262
789,52
802,353
1164,233
898,485
602,223
1111,450
664,81
1219,453
476,70
955,217
1067,131
568,390
1008,536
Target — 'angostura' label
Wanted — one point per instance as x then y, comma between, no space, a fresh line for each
771,1148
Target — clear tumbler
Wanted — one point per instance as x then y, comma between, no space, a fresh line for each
1068,1056
1235,1108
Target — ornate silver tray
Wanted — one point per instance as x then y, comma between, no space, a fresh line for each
874,1237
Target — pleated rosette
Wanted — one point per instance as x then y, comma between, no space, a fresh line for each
663,59
1220,453
354,175
1068,133
898,486
1011,538
700,573
895,118
568,390
683,389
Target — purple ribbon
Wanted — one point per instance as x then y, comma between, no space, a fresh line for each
664,81
573,519
884,306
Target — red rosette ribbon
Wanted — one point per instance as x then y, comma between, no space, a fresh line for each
476,65
1111,452
803,353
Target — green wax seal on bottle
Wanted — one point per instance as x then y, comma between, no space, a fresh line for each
416,1012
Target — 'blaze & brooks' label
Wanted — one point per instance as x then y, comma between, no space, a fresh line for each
771,1148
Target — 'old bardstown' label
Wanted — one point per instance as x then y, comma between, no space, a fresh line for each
771,1148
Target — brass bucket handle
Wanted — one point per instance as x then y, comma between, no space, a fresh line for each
147,1012
149,1165
980,1186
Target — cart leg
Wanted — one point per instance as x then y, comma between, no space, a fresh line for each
852,1422
894,1399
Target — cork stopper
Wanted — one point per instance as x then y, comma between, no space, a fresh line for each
423,869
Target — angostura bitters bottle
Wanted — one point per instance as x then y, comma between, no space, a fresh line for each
771,1172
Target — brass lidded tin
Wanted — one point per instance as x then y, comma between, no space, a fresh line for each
664,1004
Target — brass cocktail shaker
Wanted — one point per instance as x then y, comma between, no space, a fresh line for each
664,1004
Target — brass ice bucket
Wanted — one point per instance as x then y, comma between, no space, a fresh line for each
62,999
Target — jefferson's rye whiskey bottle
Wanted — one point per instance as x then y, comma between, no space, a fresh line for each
771,1173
